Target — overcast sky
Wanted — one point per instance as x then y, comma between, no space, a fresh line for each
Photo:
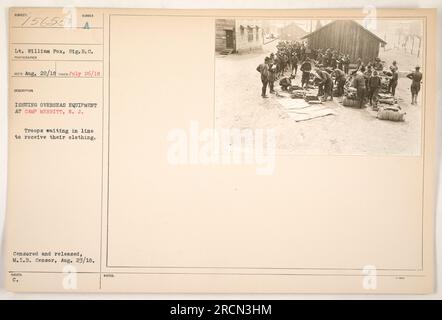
379,27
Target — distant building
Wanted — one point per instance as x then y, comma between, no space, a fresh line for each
238,35
348,37
291,32
271,30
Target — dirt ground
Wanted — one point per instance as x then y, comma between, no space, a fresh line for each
239,104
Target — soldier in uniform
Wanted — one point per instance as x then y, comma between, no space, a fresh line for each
393,80
358,63
294,62
328,86
325,83
346,63
272,76
286,83
320,81
334,61
359,84
374,85
328,54
306,68
340,81
263,69
341,62
378,64
367,74
395,66
416,78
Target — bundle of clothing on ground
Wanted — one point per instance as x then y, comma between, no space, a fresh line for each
297,92
392,113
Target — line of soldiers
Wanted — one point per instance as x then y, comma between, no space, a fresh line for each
287,57
331,58
331,68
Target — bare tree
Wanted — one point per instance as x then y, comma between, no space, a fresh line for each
416,34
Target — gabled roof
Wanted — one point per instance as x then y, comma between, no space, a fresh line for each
293,29
336,21
293,25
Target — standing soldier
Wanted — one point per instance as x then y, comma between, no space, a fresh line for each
281,63
394,66
272,76
358,63
303,56
359,84
308,51
278,64
416,78
328,55
320,57
263,69
346,63
340,81
286,60
341,62
367,74
294,62
306,67
393,80
374,85
328,86
334,61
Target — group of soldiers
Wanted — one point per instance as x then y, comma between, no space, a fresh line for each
288,57
331,69
367,81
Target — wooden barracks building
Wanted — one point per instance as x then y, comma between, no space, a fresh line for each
238,35
348,37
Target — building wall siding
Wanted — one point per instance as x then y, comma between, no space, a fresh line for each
241,43
221,26
242,38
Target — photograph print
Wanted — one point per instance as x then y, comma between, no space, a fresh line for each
338,87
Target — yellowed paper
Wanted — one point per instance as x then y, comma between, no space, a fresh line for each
120,181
